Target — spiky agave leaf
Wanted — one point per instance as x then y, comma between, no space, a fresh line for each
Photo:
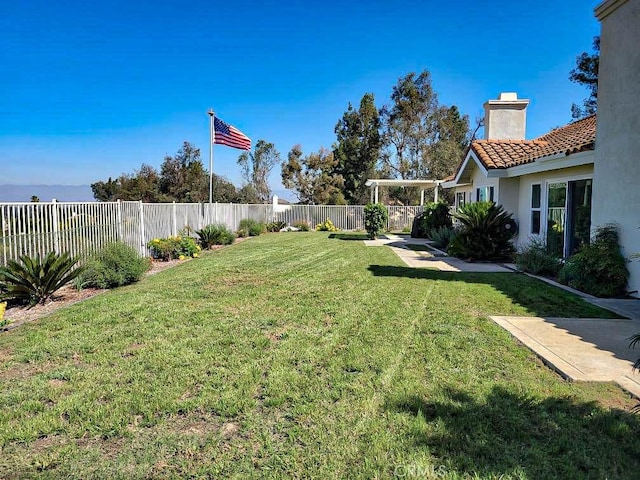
34,280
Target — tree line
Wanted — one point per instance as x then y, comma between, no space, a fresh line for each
413,136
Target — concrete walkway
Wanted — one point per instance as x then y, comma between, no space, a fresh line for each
581,349
433,258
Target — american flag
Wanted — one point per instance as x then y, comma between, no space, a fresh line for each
230,136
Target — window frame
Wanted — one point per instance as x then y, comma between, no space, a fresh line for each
534,209
489,191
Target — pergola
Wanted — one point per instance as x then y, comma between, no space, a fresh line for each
374,183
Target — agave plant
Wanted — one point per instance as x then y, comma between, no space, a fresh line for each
215,235
34,280
485,232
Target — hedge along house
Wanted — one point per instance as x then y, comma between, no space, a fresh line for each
546,182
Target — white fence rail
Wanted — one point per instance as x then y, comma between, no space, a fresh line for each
83,227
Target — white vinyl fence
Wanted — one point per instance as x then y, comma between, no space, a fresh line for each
83,227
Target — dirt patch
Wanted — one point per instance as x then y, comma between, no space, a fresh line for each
65,297
230,430
20,371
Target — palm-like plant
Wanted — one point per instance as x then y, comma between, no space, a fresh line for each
215,235
485,232
34,280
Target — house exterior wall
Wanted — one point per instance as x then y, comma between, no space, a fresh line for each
524,196
479,180
616,186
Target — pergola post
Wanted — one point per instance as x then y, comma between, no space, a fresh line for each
376,194
435,192
421,198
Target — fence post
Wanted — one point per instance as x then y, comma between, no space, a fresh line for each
5,233
175,220
142,242
56,226
119,220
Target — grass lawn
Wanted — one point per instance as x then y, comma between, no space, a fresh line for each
299,355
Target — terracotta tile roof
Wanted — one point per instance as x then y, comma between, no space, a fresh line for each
504,153
575,137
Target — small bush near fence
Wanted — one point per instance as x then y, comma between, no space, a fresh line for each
275,226
33,280
114,265
326,226
598,268
535,258
485,232
215,234
251,228
375,219
173,247
301,225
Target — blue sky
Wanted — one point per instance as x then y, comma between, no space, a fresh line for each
92,90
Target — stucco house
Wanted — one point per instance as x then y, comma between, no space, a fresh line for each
545,182
576,177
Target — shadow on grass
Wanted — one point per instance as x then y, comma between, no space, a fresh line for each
539,298
349,236
512,434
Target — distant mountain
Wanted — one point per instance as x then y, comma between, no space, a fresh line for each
46,193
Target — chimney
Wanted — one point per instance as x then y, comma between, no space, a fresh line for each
505,118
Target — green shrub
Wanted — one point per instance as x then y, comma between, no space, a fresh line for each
326,226
434,217
301,225
376,218
275,226
250,227
598,268
114,265
442,237
173,247
33,280
535,258
215,234
485,232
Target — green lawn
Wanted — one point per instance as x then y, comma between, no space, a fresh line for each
299,355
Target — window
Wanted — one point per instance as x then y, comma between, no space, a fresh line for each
535,209
461,198
484,194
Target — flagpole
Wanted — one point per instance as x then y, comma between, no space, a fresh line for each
211,140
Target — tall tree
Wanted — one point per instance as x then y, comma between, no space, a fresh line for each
108,191
183,177
586,73
423,139
142,185
257,166
313,177
357,149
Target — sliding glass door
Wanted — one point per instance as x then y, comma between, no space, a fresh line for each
556,217
579,217
568,216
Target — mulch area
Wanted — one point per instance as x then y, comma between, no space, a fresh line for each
68,295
